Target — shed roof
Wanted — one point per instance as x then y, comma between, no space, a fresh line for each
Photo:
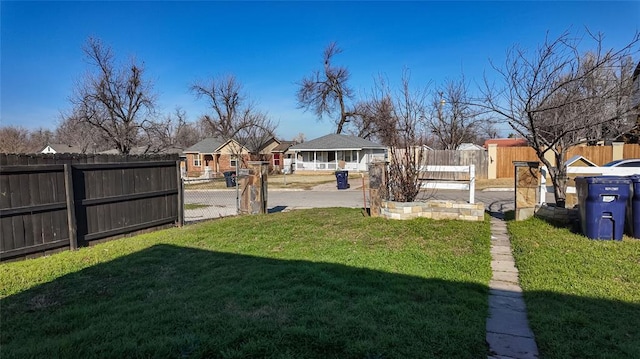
336,142
578,159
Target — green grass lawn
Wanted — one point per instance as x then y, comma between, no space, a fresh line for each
321,283
582,295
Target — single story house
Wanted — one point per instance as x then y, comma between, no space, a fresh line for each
281,157
336,151
213,155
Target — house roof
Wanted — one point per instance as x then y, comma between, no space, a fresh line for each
469,147
336,142
579,159
284,146
63,148
506,142
208,145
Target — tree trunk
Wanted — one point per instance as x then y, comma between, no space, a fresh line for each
559,180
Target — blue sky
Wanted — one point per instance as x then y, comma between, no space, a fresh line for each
269,46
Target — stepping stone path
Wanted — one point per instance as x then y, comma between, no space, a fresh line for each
508,333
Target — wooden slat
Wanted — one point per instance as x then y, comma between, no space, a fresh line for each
121,165
71,208
30,168
15,211
631,151
34,249
129,229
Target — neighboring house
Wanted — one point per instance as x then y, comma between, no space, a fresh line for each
213,155
280,155
336,151
469,147
60,148
506,142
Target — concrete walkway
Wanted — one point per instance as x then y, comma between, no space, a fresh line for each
508,333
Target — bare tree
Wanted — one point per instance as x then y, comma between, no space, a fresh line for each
233,115
326,92
299,138
397,120
72,131
115,100
557,97
172,132
17,139
454,119
14,139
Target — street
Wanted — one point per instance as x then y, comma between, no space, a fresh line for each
222,203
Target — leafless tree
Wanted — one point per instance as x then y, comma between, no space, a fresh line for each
299,138
17,139
14,139
326,91
72,131
233,115
116,100
396,119
454,119
172,132
558,96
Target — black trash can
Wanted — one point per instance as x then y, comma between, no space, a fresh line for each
633,208
603,204
342,179
230,178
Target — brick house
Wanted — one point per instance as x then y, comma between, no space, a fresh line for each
213,156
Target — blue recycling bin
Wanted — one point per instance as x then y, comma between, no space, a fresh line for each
633,208
230,178
603,204
342,179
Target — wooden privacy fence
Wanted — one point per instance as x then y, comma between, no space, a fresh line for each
596,154
476,158
54,202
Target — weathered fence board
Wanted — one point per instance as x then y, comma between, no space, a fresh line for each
631,151
49,202
477,158
596,154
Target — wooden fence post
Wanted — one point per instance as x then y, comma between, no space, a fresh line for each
71,207
180,195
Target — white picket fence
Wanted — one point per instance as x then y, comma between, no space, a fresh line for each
469,185
583,171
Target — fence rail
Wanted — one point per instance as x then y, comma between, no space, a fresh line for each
54,202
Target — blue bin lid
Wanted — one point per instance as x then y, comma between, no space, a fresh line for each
635,178
604,180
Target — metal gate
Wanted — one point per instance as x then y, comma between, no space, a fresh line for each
211,198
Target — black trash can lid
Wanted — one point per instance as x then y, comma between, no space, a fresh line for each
604,180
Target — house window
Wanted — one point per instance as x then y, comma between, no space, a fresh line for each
234,161
350,156
196,161
276,159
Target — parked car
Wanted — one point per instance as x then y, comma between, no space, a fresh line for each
629,162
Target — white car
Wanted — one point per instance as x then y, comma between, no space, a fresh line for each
629,162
